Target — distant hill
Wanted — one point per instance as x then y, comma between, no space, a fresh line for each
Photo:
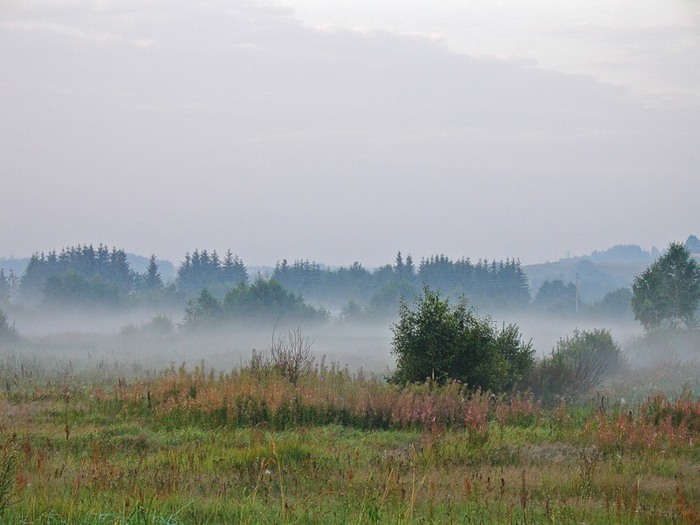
595,279
623,254
693,244
601,271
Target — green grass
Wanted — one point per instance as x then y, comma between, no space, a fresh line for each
336,449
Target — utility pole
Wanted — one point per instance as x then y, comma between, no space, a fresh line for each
577,293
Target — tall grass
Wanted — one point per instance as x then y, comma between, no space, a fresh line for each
250,446
656,424
328,395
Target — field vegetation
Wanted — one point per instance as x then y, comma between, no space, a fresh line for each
251,445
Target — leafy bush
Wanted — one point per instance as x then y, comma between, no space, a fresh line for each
577,364
441,342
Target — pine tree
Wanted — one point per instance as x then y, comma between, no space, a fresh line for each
4,288
233,271
152,281
409,268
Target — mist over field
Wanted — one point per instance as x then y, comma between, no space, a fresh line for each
88,338
347,313
369,339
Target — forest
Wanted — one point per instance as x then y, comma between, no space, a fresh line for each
86,276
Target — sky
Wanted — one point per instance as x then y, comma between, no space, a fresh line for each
339,132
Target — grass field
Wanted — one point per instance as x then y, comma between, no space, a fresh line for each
248,446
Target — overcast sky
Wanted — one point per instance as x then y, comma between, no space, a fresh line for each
311,129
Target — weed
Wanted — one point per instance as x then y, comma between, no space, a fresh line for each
8,473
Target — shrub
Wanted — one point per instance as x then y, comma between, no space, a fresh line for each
577,364
441,342
292,355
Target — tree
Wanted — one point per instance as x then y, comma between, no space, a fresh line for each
5,289
668,292
203,310
398,264
386,299
351,312
86,262
693,244
152,281
292,355
233,270
8,332
268,300
615,304
556,297
72,289
404,271
409,267
441,342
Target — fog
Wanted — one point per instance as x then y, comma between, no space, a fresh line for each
126,339
90,348
89,341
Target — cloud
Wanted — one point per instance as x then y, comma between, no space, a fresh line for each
238,127
657,58
73,32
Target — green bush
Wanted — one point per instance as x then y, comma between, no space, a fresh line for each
439,342
577,364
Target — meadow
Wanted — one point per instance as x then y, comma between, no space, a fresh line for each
196,445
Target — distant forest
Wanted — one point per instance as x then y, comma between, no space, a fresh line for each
210,286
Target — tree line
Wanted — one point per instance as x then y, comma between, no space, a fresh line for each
487,283
90,275
86,275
